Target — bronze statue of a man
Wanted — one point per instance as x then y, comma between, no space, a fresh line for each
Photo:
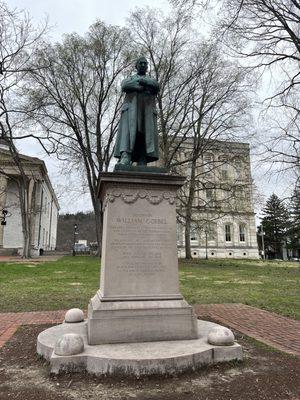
137,138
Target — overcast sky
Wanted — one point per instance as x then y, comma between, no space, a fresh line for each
77,15
67,16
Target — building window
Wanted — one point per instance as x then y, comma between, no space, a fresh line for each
228,233
209,194
240,193
239,168
224,172
187,155
211,232
242,233
193,233
207,163
224,168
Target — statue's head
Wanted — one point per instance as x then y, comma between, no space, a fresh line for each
141,65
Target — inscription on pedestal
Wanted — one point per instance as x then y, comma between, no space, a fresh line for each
141,253
138,243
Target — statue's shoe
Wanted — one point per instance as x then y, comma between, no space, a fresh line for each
125,159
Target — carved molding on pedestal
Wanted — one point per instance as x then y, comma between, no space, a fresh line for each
130,197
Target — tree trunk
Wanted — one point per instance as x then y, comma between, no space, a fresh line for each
26,246
188,212
187,237
25,216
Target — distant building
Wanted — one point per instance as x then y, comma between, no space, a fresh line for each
222,212
44,205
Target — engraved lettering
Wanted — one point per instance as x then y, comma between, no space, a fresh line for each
139,242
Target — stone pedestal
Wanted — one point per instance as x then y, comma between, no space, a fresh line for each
130,359
138,323
139,298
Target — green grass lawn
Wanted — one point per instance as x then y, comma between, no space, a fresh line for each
66,283
271,285
71,281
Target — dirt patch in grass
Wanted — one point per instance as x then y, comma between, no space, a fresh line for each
265,374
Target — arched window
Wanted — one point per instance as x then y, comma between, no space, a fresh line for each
224,168
208,163
228,233
209,193
224,171
211,231
240,192
193,233
242,232
239,166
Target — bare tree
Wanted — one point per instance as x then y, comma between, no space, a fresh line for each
218,110
202,97
19,41
76,98
281,147
266,34
190,4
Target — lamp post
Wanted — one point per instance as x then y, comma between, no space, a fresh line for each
206,234
262,241
74,239
262,233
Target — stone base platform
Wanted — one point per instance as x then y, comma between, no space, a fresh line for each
140,321
135,359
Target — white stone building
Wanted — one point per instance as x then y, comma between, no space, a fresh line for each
223,213
44,205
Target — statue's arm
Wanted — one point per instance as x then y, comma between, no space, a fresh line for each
131,85
150,84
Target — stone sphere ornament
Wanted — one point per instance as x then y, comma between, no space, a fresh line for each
69,344
74,315
220,336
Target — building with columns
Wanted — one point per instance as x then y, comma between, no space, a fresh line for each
43,205
223,218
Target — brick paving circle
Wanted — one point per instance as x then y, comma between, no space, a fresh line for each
277,331
272,329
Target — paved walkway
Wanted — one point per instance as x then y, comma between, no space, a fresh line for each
270,328
10,322
33,260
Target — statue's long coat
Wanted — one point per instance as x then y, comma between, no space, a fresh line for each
138,114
